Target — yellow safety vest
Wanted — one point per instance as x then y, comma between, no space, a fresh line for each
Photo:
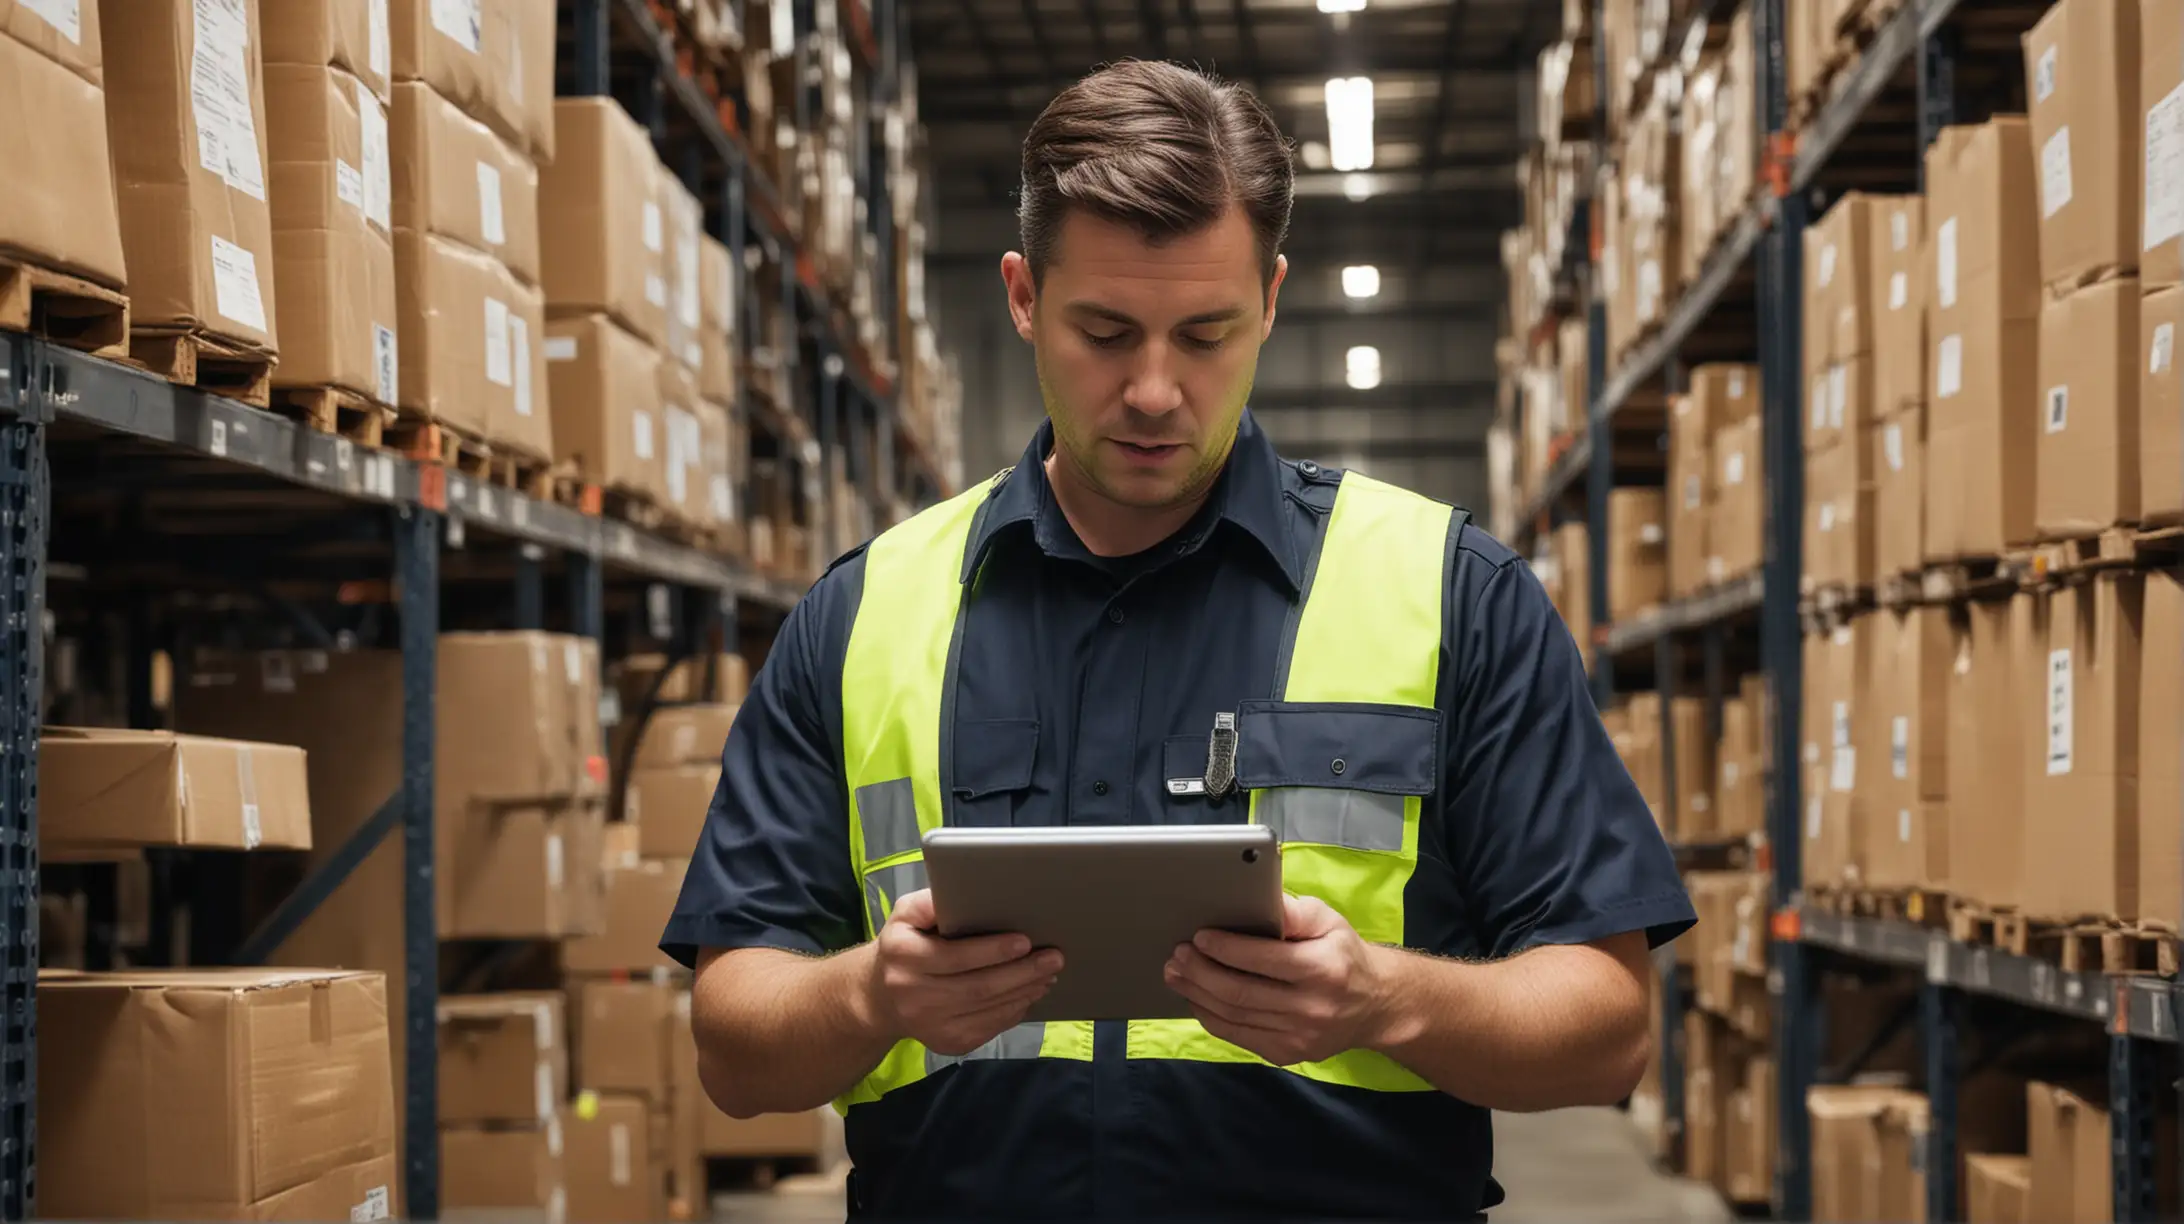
1369,632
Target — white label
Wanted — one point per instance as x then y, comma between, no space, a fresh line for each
220,78
497,365
2058,408
386,363
1844,776
1899,231
655,289
1892,446
381,53
1827,265
1838,394
1903,825
653,240
1812,818
519,340
2164,349
724,500
680,426
461,21
1827,516
1840,724
1733,468
349,184
1736,384
2059,699
489,205
253,827
1899,746
2043,76
545,1081
2165,169
1819,399
642,424
1899,291
378,166
561,348
542,1027
572,662
2055,173
1949,367
235,284
376,1206
1730,772
63,15
1945,263
618,1158
1650,533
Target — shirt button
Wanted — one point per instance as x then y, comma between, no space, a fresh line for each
1308,468
1114,616
1338,766
1099,788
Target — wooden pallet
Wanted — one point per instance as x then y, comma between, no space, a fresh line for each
68,310
2115,548
428,442
1973,923
569,488
2094,946
636,509
194,359
333,410
1917,906
1965,578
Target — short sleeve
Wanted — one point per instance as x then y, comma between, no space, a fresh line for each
772,868
1549,837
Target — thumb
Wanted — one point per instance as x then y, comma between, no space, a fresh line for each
915,909
1308,917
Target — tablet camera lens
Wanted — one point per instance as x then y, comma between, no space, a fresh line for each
1251,855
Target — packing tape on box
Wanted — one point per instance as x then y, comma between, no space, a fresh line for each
545,1081
246,777
618,1170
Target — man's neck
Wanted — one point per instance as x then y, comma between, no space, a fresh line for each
1107,527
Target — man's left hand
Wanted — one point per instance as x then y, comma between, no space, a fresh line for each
1314,993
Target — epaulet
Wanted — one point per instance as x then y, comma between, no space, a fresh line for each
845,559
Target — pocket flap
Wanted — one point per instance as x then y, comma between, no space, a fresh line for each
1339,745
994,755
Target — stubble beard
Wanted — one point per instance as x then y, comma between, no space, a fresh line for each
1081,454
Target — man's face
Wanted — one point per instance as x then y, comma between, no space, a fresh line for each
1145,353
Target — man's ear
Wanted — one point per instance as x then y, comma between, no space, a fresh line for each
1273,291
1023,294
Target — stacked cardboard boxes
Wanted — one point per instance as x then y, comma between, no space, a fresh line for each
1716,514
1843,262
472,124
504,1086
1637,551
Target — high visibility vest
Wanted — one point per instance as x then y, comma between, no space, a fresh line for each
1368,631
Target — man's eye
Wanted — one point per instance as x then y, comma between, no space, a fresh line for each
1106,340
1203,343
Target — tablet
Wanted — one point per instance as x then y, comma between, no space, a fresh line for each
1115,899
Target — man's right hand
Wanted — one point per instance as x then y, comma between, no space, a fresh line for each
953,995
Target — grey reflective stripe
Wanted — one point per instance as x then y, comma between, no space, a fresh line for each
1023,1041
1329,816
888,813
886,885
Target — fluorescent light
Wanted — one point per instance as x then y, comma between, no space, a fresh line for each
1341,6
1314,154
1361,281
1361,367
1350,122
1358,187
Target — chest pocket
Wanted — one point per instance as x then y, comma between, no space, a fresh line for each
993,764
1342,784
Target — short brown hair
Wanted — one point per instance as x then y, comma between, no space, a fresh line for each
1158,147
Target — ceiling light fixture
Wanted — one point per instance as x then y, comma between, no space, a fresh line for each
1361,368
1358,187
1350,122
1361,281
1341,6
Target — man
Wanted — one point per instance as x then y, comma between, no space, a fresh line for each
1474,880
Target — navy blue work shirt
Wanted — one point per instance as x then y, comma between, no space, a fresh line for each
1085,683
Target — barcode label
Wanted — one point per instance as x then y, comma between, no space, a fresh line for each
2043,76
2164,354
386,363
2059,713
2055,173
2058,409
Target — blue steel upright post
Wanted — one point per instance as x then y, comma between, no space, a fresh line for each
417,585
25,503
1600,468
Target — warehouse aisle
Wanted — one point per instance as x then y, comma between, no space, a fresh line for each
1586,1164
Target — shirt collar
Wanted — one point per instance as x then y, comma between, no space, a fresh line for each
1249,494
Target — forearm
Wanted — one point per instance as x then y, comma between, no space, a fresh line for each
1546,1029
779,1032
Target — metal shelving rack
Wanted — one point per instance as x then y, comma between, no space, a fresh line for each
1767,236
414,533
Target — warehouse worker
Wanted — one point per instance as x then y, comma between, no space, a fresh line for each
1052,647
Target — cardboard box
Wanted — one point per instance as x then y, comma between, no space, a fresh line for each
1846,1151
640,898
2160,405
719,281
604,388
610,1167
1839,267
1690,478
331,191
492,58
262,1094
1740,793
1995,1188
455,179
103,789
2085,129
2087,465
1640,749
684,490
2160,726
1839,713
546,741
351,35
1749,1136
669,807
2083,827
601,212
685,314
60,211
191,178
502,1058
722,678
523,870
1637,551
503,1169
725,448
624,1040
1995,761
2069,1178
1839,530
470,363
1572,571
2161,139
1736,526
676,735
1899,491
1916,649
1899,306
1983,319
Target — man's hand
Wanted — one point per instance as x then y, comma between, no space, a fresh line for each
953,995
1310,995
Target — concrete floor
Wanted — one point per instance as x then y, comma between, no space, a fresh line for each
1569,1168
